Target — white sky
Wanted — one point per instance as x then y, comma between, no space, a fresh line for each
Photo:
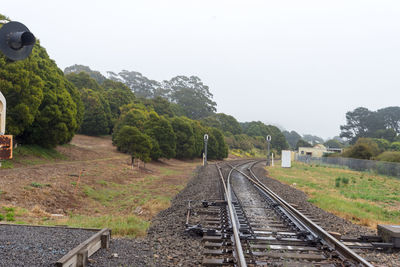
298,64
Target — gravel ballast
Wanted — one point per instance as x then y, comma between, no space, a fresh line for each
37,246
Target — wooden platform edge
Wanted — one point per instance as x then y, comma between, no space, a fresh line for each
79,255
51,226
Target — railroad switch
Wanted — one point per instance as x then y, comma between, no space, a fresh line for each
194,230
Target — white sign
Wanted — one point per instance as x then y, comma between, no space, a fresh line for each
268,138
286,159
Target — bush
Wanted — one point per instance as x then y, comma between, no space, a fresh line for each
390,156
337,182
395,146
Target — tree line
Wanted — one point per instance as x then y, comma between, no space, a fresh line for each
373,134
146,118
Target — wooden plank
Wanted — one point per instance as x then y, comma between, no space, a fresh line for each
89,246
51,226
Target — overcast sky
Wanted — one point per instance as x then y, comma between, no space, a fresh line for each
297,64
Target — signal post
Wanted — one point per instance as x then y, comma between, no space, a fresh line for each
16,43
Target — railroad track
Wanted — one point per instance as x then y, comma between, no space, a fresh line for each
251,226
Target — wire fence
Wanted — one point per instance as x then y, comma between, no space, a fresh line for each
379,167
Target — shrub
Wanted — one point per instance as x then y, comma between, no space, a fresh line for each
345,180
1,217
395,146
10,216
390,156
337,182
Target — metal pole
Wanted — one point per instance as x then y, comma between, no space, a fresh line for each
268,144
205,149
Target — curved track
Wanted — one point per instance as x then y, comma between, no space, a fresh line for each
256,227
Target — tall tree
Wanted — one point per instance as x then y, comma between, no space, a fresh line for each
40,101
141,85
391,118
360,122
130,140
185,140
292,138
96,120
257,128
192,95
117,94
224,122
96,75
162,132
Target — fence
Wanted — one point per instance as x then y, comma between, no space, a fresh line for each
380,167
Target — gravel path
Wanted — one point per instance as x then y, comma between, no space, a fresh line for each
123,252
37,246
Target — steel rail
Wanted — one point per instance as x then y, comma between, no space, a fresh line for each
236,238
329,239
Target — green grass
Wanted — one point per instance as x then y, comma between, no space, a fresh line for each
365,198
32,155
129,226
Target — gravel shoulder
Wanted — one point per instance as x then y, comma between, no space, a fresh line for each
37,246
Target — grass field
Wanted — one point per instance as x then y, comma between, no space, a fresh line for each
361,197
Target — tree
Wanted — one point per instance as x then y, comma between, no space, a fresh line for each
141,85
360,123
162,132
395,146
216,148
391,118
225,123
388,134
333,143
40,101
83,80
96,120
160,105
313,139
359,151
192,95
117,94
292,138
257,128
364,148
96,75
131,115
198,133
185,140
130,140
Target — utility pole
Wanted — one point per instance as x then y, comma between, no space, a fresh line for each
268,144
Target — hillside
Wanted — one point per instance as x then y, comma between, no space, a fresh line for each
93,184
